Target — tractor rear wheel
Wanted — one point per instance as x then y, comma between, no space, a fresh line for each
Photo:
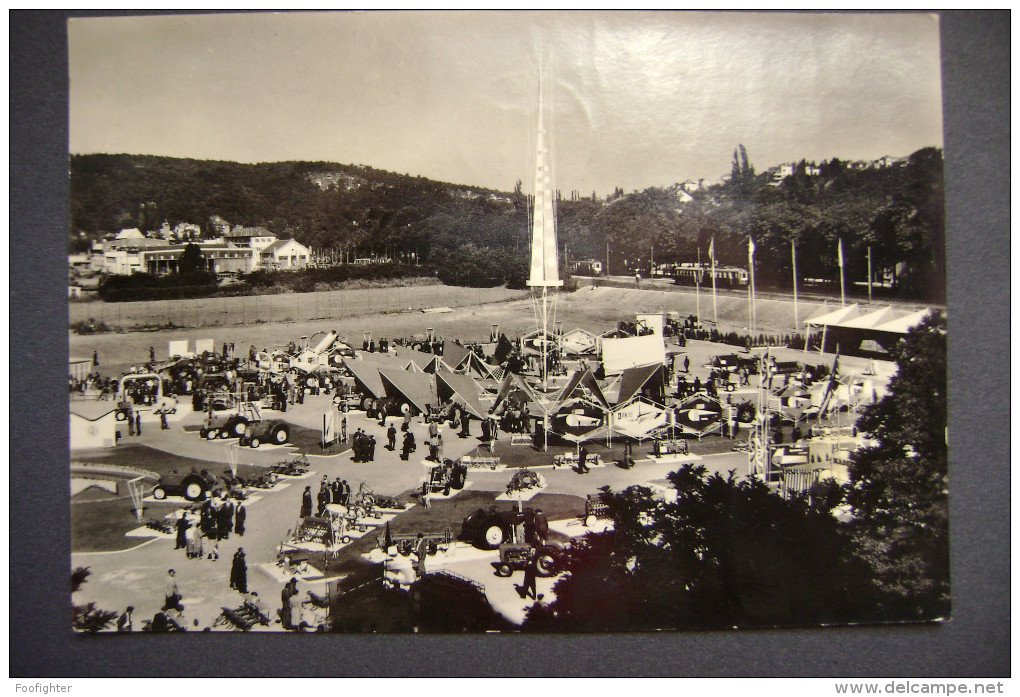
280,434
193,490
493,536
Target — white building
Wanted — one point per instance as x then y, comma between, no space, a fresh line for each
93,424
285,254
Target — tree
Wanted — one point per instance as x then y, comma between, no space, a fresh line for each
87,618
898,486
715,552
191,258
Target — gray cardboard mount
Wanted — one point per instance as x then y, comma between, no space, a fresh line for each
975,59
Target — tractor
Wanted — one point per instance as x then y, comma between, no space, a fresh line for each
194,486
449,475
274,431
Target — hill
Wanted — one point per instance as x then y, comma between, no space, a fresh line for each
472,235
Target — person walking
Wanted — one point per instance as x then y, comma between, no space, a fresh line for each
162,419
582,461
239,572
306,503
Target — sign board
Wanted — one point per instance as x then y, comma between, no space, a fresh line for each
178,348
203,345
618,354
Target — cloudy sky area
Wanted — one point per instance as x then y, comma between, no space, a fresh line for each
638,99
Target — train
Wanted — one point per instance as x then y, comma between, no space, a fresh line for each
689,274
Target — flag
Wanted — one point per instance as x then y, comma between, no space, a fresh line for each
711,249
839,253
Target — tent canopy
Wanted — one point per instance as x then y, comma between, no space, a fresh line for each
633,380
833,317
583,385
512,381
463,389
417,388
454,355
367,377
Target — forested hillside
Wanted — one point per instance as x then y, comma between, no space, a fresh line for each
480,236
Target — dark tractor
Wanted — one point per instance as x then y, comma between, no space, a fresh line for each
194,486
273,431
444,477
232,426
491,527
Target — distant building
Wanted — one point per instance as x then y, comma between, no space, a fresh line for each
129,234
285,254
254,238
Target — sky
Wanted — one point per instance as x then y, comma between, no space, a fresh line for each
635,99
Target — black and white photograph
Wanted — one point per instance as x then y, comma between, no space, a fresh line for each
506,321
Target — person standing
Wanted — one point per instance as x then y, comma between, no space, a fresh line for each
370,448
345,492
439,447
306,502
405,450
541,527
182,530
687,364
391,438
130,420
421,551
343,429
95,359
239,516
138,423
170,590
289,589
239,572
324,498
125,623
530,586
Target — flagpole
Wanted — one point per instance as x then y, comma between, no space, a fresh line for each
869,273
697,286
750,290
715,305
793,251
842,285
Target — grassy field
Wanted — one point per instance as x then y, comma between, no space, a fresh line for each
595,309
284,307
